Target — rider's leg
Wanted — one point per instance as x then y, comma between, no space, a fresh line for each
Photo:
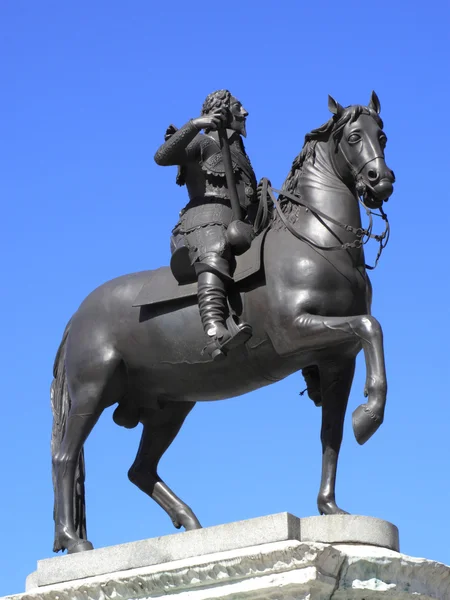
211,255
213,273
212,301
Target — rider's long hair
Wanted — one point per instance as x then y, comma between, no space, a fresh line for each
216,100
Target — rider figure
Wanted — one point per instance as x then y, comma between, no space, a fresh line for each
203,223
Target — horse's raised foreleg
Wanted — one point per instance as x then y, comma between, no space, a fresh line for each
160,428
315,331
335,383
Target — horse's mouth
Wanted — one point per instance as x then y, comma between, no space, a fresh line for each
373,197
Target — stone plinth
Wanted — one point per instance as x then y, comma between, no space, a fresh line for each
261,559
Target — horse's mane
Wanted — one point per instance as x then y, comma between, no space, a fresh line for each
332,127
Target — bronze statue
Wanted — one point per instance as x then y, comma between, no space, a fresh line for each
137,341
202,227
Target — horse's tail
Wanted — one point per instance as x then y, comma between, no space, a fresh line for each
60,401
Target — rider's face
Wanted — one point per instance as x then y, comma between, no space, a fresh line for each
238,116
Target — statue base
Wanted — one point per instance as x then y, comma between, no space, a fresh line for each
279,557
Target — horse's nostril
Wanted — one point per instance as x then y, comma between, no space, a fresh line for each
372,175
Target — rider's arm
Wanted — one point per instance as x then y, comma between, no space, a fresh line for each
178,149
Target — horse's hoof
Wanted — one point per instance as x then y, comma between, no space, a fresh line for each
330,508
365,422
186,519
192,524
80,546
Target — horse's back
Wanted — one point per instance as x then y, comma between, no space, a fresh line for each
95,328
121,290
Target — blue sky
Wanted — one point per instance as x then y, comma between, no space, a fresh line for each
88,90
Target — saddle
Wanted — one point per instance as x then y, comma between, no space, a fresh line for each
162,287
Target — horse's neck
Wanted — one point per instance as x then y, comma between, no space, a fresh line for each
320,187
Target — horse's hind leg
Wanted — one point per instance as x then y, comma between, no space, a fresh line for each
90,395
160,428
335,382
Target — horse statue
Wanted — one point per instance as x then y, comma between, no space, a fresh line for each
308,302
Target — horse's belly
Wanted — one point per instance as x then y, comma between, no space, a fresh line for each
198,382
167,360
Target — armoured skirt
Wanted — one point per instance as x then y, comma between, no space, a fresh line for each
202,229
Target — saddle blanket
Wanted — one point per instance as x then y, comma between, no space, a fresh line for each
162,286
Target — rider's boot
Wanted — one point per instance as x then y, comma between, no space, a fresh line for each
212,303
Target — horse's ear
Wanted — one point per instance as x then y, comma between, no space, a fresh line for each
334,106
375,103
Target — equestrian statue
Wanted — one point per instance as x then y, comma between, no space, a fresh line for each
262,283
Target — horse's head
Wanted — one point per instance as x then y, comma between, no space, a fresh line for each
358,154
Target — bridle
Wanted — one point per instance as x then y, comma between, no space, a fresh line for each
362,235
350,165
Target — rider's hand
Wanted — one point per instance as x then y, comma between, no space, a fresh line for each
213,121
169,132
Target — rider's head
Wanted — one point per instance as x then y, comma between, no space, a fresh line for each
237,113
215,101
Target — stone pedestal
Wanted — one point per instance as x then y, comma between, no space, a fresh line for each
279,557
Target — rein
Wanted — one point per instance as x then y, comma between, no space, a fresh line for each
362,236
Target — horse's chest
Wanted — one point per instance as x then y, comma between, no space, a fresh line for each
342,291
313,283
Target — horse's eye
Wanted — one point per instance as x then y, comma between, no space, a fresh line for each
353,138
383,141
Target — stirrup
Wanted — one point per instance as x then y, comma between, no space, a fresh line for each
238,334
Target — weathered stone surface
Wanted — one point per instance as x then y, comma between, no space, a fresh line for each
287,570
242,534
390,575
352,529
267,558
232,536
